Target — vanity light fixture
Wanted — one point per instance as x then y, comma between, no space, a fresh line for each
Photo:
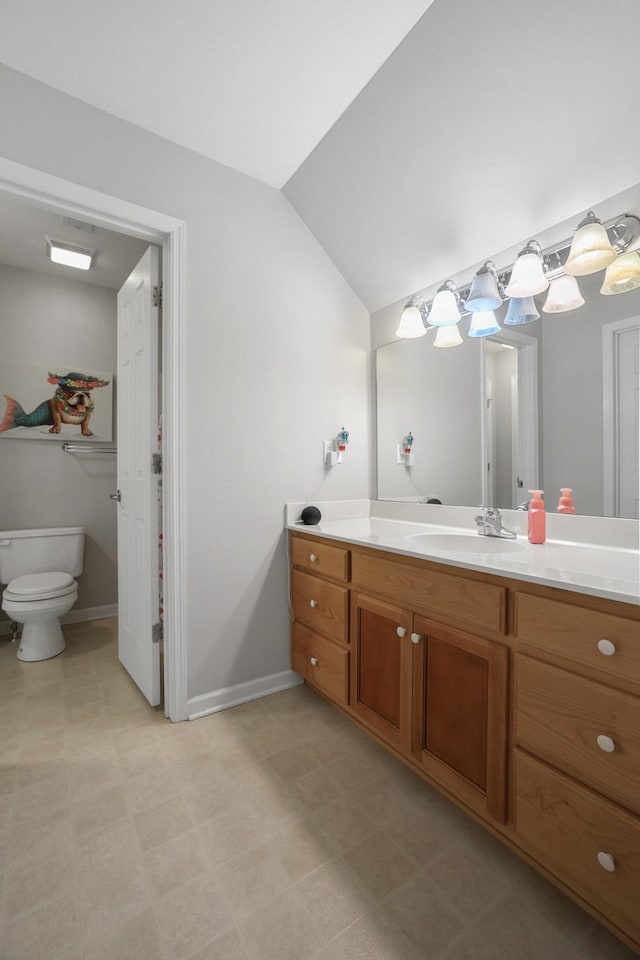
591,249
485,291
521,310
413,319
533,270
69,254
483,324
564,295
622,275
444,309
528,277
448,335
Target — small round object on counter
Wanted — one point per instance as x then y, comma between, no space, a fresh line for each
310,516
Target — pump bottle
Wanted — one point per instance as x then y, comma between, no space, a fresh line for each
565,504
537,518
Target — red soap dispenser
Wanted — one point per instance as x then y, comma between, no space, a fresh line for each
537,518
565,504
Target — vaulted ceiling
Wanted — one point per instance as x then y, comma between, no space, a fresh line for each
414,138
254,84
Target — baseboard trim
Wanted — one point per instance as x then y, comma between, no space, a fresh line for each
74,616
227,697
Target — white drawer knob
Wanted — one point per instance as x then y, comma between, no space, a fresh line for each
606,647
606,743
415,638
314,661
313,603
312,557
606,861
401,631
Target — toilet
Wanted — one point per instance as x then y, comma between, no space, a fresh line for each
38,567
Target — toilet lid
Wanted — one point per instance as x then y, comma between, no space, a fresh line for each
36,584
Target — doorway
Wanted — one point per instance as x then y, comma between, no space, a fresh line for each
511,418
113,214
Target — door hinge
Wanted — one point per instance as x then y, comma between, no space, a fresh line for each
157,295
157,633
156,463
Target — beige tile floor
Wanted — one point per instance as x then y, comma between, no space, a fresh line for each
272,831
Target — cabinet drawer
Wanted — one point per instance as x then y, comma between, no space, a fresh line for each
320,662
320,605
320,558
565,826
559,717
434,594
575,633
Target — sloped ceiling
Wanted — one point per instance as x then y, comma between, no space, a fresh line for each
252,84
491,122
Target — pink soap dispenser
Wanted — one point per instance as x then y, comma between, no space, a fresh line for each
565,504
537,518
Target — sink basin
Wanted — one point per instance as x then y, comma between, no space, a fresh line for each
465,543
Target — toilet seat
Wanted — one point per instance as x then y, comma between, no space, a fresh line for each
39,586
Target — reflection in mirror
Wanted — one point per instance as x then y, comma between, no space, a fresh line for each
558,410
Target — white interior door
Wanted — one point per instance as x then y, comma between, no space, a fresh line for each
629,399
137,407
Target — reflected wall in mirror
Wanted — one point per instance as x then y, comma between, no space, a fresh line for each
482,435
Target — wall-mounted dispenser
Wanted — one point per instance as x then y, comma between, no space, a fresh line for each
333,449
405,454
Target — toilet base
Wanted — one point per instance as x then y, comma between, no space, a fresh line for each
41,640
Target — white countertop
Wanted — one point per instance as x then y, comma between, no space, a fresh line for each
595,569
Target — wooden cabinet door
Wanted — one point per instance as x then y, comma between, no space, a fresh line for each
381,669
459,729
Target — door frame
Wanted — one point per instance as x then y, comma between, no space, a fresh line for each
610,411
121,216
528,404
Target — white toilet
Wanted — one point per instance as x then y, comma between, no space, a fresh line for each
38,567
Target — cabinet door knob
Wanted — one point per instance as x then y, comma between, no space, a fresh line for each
606,647
314,661
415,638
313,557
606,861
401,631
605,743
313,603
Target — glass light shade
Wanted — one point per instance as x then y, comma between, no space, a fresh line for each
521,310
527,277
591,250
484,293
483,324
411,325
564,295
622,275
448,335
444,309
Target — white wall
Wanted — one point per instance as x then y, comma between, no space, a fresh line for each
435,394
277,359
45,319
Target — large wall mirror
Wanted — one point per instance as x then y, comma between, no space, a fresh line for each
553,403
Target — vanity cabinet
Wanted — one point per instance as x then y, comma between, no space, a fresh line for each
521,702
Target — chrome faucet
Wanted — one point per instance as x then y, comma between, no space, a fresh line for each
490,524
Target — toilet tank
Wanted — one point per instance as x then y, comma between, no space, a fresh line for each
41,551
